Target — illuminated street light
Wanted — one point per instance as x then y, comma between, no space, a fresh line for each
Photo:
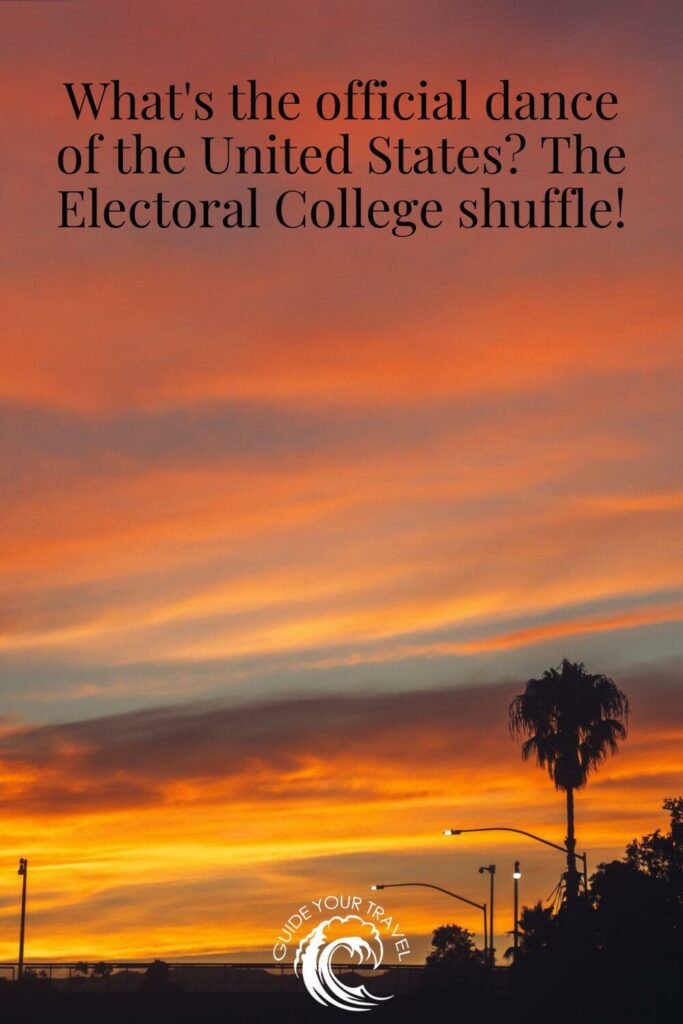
516,874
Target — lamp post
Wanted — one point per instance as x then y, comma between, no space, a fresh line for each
530,835
428,885
23,871
516,875
491,868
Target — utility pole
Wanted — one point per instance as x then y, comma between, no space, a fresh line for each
491,868
23,871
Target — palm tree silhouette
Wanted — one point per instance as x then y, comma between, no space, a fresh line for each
536,930
569,721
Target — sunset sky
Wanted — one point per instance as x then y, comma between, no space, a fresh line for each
288,517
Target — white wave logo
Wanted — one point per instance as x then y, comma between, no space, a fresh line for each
315,953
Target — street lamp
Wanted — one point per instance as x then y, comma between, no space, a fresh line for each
516,874
428,885
23,871
529,835
491,868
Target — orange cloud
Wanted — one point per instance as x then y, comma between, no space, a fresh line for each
341,790
490,342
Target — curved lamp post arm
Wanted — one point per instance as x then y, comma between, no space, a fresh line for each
428,885
529,835
501,828
447,892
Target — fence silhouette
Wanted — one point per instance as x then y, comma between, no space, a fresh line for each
130,976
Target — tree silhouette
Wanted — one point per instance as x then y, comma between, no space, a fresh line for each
660,854
536,930
617,957
157,977
454,944
102,970
569,720
454,961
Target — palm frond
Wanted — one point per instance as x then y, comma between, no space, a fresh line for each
570,721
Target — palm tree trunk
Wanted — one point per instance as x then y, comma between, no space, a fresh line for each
572,873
